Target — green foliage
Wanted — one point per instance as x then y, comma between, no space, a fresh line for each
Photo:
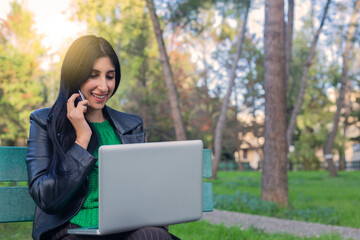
300,51
253,81
316,115
186,12
20,74
312,125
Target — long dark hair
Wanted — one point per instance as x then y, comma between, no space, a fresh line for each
76,69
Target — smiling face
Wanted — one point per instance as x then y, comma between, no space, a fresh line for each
100,86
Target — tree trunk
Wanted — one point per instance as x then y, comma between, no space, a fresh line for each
341,161
288,41
309,61
224,107
240,163
274,174
169,78
340,101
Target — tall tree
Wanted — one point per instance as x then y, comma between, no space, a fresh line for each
304,78
274,175
340,101
224,107
169,78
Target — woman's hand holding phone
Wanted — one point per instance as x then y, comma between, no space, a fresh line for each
76,116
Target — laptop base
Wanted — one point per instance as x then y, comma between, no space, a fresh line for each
85,231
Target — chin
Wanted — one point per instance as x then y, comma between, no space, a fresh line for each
96,107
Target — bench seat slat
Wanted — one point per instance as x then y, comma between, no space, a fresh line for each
207,197
16,204
12,164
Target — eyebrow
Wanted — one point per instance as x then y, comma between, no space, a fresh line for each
110,71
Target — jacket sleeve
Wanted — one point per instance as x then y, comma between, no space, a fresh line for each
52,191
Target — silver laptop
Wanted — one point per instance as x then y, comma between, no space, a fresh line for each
148,184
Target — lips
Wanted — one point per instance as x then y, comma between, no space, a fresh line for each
98,97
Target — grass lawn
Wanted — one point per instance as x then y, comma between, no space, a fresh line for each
314,196
15,231
203,230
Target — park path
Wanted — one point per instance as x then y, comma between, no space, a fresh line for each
276,225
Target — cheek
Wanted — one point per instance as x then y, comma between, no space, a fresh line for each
89,84
112,86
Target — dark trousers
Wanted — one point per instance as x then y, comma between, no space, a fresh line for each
146,233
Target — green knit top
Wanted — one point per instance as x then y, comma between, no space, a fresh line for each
88,216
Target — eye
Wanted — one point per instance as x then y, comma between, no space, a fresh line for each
110,77
94,75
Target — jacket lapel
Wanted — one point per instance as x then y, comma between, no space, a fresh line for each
124,125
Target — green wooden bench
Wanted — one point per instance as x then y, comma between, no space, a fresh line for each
16,205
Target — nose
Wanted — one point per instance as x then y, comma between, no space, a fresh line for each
102,84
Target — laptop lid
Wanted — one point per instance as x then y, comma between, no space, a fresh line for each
149,184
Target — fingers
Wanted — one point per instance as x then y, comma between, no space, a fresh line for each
73,97
78,111
81,104
71,102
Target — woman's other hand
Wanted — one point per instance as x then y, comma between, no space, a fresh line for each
76,116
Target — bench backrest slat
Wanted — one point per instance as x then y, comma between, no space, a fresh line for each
12,164
207,169
207,187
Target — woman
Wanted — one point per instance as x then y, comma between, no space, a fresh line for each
64,140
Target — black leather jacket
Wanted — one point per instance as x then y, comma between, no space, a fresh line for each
60,197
